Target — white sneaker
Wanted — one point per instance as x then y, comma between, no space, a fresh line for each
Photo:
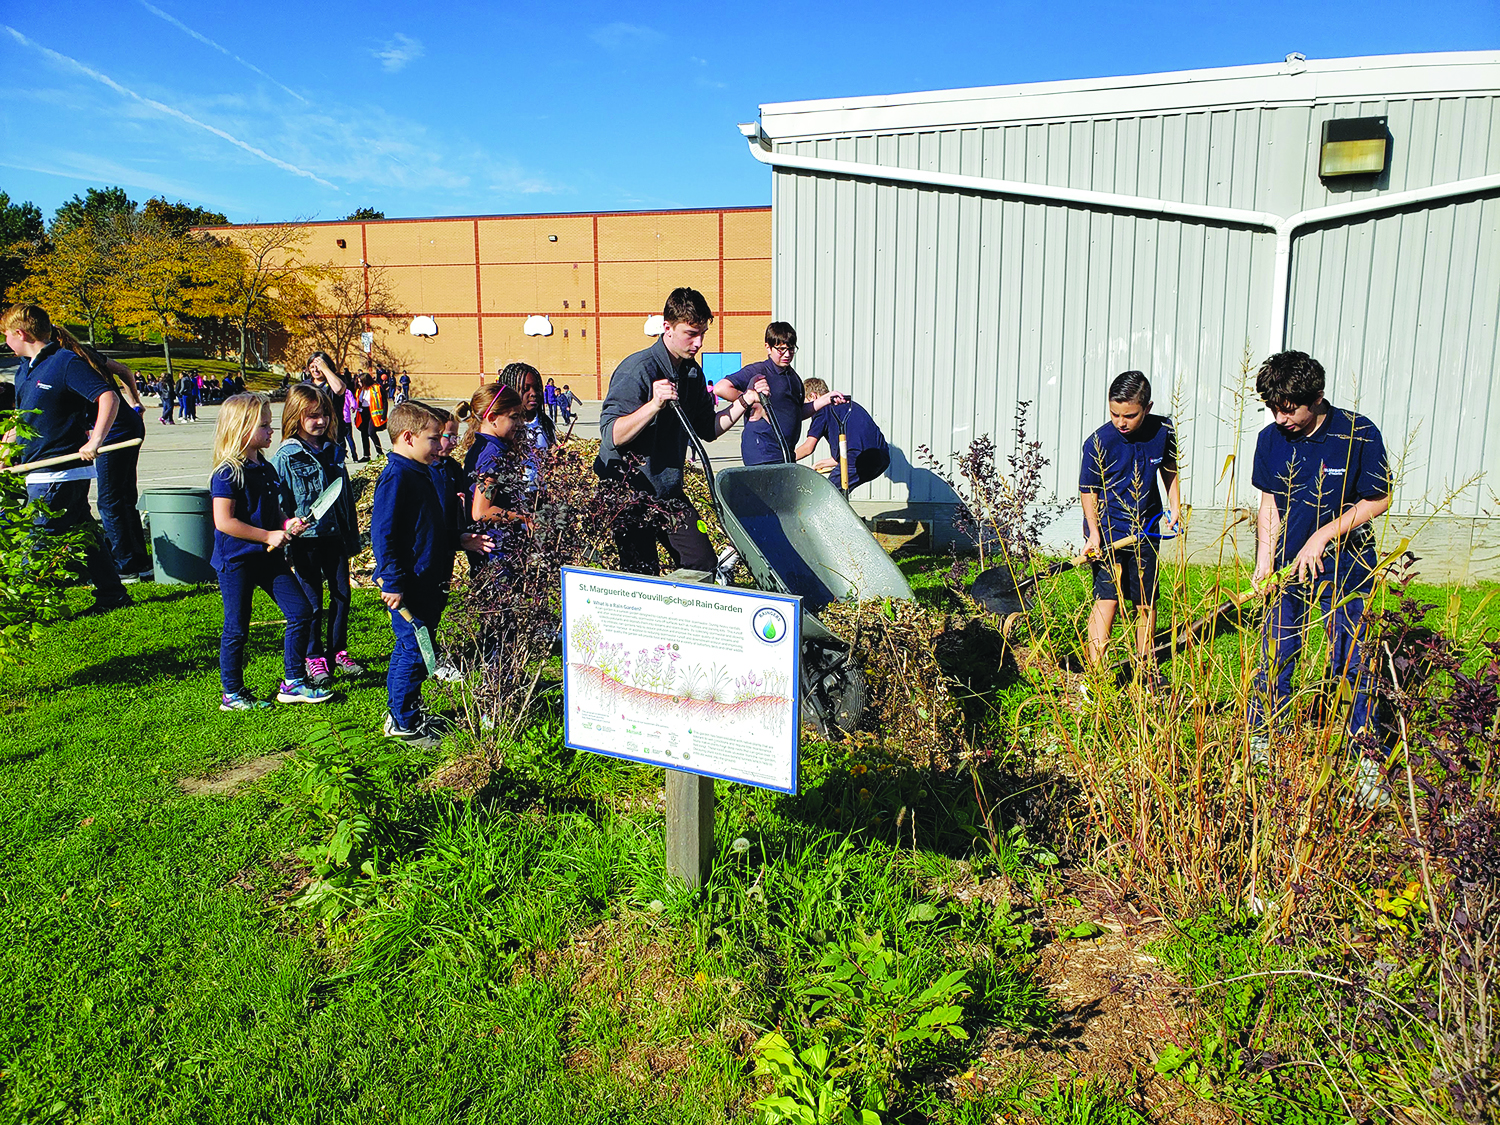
729,558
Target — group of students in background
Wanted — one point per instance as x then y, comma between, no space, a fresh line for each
1321,470
187,390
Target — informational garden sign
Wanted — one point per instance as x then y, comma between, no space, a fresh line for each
696,678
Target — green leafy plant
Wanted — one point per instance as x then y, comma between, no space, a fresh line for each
35,570
351,784
870,1000
806,1086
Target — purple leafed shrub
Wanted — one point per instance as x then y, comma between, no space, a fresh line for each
504,622
1008,511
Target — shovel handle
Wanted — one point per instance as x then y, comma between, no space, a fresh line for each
49,462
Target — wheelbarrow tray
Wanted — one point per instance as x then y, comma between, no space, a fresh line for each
798,535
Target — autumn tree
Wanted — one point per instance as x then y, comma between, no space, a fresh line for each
21,237
270,285
166,278
76,275
181,217
341,306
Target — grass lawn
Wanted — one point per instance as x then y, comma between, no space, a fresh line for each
525,961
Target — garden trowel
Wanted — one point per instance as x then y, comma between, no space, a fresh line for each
326,500
424,636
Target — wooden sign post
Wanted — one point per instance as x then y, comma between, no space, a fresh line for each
698,678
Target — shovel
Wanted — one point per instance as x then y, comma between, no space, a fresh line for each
49,462
1003,594
424,637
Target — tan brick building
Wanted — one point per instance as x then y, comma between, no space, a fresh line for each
596,277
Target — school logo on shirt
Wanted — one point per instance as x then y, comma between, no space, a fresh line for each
1333,472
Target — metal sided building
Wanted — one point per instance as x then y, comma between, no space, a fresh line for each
945,255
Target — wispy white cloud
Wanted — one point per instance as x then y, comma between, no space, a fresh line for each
91,169
161,107
398,52
177,23
623,37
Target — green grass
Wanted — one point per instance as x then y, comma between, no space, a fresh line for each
525,961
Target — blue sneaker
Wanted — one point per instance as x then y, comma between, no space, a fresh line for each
300,691
242,701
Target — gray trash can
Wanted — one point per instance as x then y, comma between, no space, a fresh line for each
182,533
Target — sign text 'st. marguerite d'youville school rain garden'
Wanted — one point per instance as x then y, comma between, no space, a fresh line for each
696,678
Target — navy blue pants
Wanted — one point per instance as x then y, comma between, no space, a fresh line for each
69,502
317,563
117,510
237,585
1287,618
405,673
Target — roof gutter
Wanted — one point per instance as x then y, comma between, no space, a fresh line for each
1282,227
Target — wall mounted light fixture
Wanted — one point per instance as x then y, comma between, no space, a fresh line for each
1354,146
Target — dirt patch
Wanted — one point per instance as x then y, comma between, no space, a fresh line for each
278,881
1116,1006
461,778
226,782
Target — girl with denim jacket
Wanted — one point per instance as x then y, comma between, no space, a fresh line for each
308,461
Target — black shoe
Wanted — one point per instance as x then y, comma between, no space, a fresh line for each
102,605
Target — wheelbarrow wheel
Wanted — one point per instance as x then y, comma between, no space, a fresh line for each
840,706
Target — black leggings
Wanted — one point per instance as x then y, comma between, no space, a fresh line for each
369,433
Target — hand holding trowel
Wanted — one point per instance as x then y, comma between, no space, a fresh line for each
424,635
320,508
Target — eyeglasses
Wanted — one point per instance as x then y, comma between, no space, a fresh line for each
789,349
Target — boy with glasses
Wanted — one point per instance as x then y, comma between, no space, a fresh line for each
780,388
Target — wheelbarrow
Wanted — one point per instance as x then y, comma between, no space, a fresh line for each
798,535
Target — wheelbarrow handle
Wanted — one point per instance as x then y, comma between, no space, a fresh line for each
702,452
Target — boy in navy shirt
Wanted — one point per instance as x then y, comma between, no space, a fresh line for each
414,535
869,455
63,389
1322,475
1117,485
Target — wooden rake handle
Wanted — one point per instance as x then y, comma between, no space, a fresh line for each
63,459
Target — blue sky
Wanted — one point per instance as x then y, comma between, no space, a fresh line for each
274,110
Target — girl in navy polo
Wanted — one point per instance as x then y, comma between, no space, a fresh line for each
497,435
249,534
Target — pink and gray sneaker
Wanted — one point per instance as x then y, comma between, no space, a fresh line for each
342,662
317,671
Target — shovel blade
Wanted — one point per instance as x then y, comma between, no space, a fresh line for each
997,591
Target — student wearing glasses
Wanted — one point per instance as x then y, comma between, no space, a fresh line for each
781,387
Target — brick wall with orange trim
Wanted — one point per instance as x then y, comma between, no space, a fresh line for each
596,276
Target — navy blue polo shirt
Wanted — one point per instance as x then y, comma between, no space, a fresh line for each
1318,477
1122,469
127,423
255,502
410,535
64,388
758,444
859,428
489,456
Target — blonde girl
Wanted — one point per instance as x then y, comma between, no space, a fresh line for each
249,536
496,437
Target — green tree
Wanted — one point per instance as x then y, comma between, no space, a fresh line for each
179,217
100,206
21,236
363,214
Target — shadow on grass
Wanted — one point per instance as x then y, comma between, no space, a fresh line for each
145,667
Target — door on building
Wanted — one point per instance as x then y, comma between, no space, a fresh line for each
716,365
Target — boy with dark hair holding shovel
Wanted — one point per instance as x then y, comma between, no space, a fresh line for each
1323,477
1122,506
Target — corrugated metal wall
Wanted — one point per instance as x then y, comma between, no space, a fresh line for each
940,309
